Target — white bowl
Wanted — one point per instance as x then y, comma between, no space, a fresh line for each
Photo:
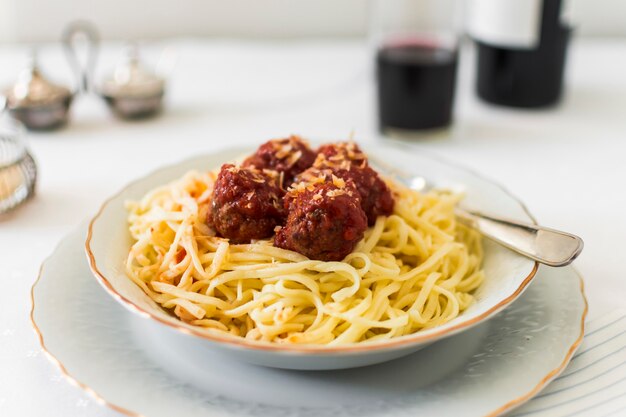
507,273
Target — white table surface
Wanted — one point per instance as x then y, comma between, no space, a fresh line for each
568,164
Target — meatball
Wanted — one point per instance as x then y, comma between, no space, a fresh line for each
288,156
376,198
247,203
340,152
325,220
348,162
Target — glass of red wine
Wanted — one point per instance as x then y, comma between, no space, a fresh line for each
416,60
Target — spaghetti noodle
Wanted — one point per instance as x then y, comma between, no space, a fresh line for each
414,269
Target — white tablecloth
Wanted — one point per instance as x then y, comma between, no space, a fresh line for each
566,163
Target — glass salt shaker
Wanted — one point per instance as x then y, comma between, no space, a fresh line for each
36,101
18,172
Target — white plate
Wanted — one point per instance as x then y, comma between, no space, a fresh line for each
124,362
507,273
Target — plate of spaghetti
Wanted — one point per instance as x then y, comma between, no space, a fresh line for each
305,257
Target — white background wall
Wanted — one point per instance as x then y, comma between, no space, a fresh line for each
40,20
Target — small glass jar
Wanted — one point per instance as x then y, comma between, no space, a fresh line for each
18,172
416,44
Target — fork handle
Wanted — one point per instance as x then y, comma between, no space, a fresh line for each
547,246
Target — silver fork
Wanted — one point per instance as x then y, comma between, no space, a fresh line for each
547,246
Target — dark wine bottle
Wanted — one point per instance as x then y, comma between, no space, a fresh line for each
520,64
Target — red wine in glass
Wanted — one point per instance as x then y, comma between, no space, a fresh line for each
415,81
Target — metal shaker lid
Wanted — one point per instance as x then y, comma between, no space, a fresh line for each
131,79
34,89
